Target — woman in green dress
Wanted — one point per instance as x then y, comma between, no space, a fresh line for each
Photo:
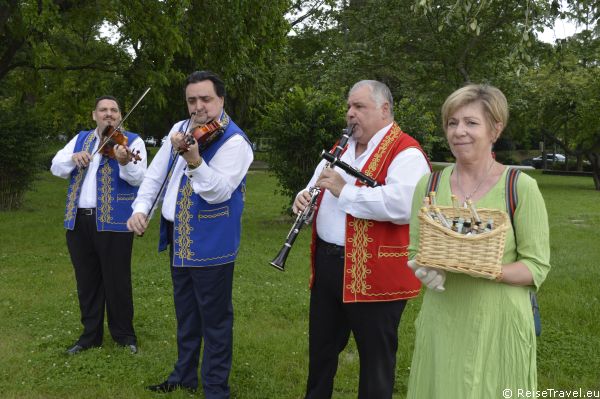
475,337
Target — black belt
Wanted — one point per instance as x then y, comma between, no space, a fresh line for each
330,249
86,211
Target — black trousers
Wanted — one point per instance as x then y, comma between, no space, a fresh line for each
102,263
373,324
204,310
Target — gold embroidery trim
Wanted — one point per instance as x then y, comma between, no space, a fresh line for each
393,293
214,258
184,229
382,150
106,189
392,251
359,256
125,197
207,213
74,195
392,254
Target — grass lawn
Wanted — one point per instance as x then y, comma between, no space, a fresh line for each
39,311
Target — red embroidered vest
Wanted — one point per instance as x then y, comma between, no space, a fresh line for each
376,252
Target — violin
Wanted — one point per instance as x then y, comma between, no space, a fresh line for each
111,137
204,135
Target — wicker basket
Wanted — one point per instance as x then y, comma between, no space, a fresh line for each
478,255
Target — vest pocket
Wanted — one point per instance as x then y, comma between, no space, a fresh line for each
389,251
126,197
213,213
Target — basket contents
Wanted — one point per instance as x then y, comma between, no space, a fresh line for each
459,224
461,239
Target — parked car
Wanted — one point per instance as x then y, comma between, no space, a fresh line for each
538,162
151,141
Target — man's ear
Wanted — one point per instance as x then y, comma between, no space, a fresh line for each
385,109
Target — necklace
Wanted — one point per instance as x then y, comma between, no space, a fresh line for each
468,196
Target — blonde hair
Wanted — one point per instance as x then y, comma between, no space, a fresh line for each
495,106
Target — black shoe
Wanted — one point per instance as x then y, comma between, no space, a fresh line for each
75,349
168,387
132,348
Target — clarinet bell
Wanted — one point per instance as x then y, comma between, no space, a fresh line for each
279,261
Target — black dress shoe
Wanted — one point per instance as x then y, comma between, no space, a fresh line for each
132,347
75,349
163,387
166,386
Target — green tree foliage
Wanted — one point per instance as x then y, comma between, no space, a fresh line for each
564,94
423,50
433,46
302,123
40,39
241,41
56,58
415,119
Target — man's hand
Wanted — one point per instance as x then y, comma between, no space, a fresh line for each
121,154
138,223
301,202
432,278
190,153
332,181
178,141
82,159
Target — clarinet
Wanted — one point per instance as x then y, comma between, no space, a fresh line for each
306,216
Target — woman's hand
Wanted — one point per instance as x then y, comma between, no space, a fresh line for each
432,278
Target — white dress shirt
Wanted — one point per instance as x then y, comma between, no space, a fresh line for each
215,183
63,165
391,202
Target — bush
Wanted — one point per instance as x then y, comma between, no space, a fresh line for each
301,125
414,119
22,139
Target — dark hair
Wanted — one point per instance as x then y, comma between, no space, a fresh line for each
200,76
107,98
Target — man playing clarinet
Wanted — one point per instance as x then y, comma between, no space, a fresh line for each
360,282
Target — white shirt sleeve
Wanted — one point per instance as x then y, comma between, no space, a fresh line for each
390,202
153,179
62,163
216,181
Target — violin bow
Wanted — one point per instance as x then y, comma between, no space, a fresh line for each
100,147
162,186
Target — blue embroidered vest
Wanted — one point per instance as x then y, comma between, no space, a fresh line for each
206,234
114,195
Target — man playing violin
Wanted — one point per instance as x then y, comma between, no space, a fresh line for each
201,222
99,197
360,282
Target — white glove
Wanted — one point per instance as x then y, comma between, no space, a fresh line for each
430,277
